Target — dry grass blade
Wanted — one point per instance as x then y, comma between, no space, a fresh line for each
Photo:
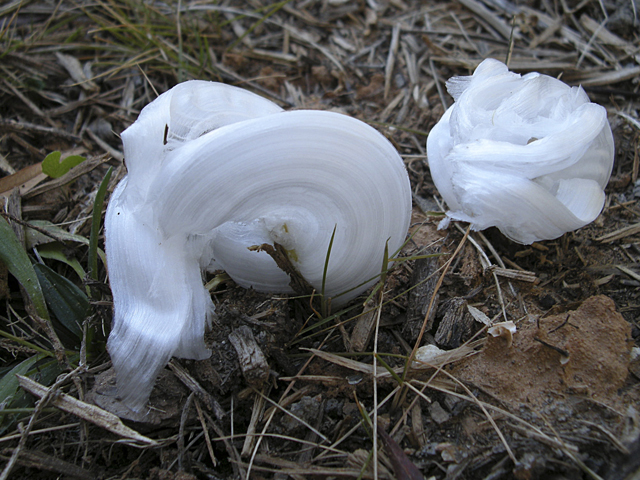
257,411
193,385
286,467
620,233
491,18
85,167
344,362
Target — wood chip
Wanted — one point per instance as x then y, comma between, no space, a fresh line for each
253,363
425,280
76,72
457,324
364,326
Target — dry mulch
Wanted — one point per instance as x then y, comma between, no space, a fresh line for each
559,398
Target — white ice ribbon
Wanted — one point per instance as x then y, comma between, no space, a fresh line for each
214,170
527,154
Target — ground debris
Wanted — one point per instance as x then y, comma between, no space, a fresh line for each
531,371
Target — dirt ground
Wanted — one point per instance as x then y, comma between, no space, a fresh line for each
332,394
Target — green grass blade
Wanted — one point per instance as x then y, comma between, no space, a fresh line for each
19,265
326,264
395,376
385,263
25,343
366,420
96,220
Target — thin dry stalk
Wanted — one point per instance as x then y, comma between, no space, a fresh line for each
85,411
250,444
375,386
205,430
17,436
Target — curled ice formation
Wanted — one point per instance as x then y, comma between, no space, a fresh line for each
214,170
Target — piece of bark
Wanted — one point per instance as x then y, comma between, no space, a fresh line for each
363,329
457,325
420,296
253,362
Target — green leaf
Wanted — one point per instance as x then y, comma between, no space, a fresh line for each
55,251
67,302
35,237
95,225
52,248
19,265
9,383
52,166
16,403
